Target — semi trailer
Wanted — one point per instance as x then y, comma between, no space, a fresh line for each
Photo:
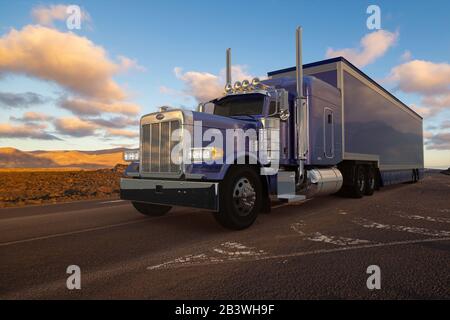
322,128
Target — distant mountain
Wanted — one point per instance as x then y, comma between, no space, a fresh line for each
14,158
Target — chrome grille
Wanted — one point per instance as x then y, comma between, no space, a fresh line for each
157,146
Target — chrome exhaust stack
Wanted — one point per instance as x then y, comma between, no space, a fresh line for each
301,109
228,70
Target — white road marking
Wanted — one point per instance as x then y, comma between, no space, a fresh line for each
342,212
432,219
56,235
112,201
444,210
228,251
291,204
280,206
321,251
423,231
319,237
188,259
339,241
237,250
297,227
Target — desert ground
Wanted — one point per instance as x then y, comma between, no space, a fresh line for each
20,187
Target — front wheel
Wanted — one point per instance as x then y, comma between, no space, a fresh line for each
152,210
240,198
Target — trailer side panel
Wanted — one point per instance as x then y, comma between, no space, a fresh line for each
374,124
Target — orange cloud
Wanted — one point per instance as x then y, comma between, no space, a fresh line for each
62,57
25,131
423,77
32,117
204,86
75,127
372,46
428,79
123,133
74,62
90,107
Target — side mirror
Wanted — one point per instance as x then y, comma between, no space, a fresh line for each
283,100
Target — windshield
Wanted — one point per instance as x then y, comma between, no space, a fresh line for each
240,105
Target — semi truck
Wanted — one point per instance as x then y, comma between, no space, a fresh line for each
326,128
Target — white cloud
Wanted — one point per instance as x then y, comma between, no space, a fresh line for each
372,46
204,86
439,141
406,56
127,64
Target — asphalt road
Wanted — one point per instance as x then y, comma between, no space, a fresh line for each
319,249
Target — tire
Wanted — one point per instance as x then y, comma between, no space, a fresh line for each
370,181
357,189
240,198
151,210
415,176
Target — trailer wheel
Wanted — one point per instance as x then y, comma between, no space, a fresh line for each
240,198
358,187
370,181
152,210
415,176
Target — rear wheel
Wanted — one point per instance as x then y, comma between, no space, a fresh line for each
358,187
370,181
152,210
240,198
415,175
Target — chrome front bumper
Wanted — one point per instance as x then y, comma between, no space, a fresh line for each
203,195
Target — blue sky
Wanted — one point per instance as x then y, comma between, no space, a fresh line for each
162,35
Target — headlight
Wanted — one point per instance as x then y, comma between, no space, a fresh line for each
228,88
245,85
255,82
206,154
131,155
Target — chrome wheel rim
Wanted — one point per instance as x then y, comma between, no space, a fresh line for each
372,183
361,182
244,197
